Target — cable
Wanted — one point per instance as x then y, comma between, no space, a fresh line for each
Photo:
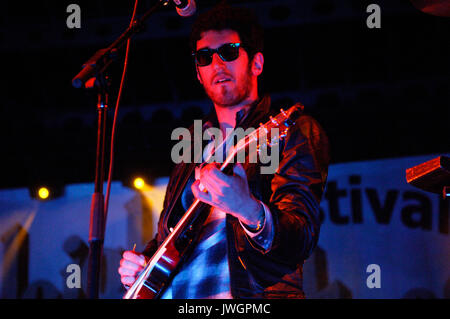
111,162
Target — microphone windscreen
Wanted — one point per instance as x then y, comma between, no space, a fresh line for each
188,10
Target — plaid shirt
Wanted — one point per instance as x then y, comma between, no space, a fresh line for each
205,274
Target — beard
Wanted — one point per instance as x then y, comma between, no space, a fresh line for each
229,95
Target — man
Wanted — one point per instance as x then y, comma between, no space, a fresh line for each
261,227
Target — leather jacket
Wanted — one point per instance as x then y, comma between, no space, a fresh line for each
293,196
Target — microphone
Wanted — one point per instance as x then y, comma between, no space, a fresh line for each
185,8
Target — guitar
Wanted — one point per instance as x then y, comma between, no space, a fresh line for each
169,255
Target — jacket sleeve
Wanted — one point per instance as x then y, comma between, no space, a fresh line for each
154,243
297,188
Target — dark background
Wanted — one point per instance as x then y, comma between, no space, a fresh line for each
379,93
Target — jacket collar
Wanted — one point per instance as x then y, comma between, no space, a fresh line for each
244,117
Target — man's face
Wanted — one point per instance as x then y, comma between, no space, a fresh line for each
226,83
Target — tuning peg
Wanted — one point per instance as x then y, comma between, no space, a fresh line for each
288,122
273,120
284,133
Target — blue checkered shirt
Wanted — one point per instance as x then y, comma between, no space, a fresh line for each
205,274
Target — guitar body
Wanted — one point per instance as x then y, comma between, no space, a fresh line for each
161,274
174,249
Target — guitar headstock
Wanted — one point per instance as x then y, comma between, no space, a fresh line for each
274,130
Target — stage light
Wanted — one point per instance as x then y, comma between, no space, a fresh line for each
43,193
139,183
46,190
137,180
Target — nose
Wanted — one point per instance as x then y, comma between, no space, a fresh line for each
217,61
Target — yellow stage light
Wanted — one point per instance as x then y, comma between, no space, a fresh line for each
43,193
139,183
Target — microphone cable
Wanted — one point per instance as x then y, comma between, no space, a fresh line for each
111,161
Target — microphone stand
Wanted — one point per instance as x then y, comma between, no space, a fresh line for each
92,75
98,214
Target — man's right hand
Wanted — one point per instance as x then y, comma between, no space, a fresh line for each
131,265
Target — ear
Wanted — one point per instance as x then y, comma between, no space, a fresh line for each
199,77
257,63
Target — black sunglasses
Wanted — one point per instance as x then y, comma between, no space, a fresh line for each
227,52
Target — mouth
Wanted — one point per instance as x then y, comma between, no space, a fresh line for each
222,79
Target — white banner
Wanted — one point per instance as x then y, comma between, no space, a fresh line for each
380,237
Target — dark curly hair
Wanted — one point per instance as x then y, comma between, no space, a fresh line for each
241,20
